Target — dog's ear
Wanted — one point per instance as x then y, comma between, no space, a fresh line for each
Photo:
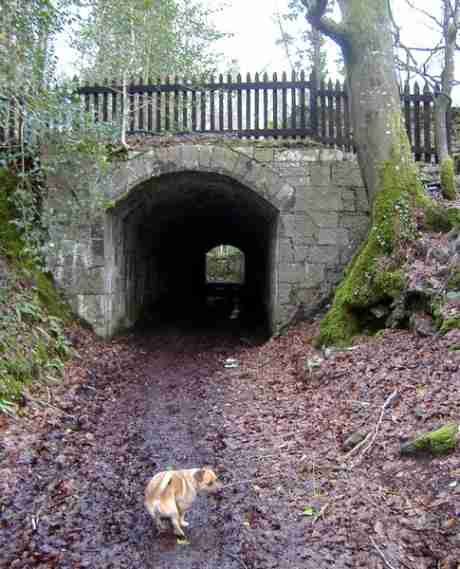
199,475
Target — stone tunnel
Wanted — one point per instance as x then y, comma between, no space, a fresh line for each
139,237
161,232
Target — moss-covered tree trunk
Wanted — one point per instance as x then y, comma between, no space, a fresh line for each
443,100
446,163
373,277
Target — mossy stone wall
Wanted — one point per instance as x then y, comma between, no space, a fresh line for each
310,200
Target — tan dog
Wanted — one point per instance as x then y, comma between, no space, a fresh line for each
171,493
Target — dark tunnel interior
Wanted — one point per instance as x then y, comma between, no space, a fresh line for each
162,232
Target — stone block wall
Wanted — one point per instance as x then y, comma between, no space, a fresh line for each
322,215
328,219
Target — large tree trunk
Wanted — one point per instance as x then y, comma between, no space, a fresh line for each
441,107
371,78
443,100
373,278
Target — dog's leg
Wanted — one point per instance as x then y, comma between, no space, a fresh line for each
182,521
160,523
176,522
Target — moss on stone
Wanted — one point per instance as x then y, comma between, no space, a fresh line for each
450,324
453,215
50,297
453,282
436,312
436,219
373,276
11,243
437,442
31,310
448,179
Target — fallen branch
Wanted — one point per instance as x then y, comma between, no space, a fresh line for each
250,480
321,512
31,399
8,413
370,438
381,554
240,561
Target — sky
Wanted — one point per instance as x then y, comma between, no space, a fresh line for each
255,31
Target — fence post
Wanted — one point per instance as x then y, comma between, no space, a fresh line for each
427,122
203,104
330,112
407,113
248,103
212,105
338,114
265,100
115,96
293,103
275,104
417,129
176,103
141,105
185,114
303,110
158,117
132,104
239,105
314,102
256,104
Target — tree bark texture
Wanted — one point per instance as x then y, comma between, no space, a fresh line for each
373,277
451,25
371,77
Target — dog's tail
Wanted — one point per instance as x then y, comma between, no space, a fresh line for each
154,506
166,480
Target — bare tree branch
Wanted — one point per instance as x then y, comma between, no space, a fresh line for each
284,40
433,80
425,13
420,68
433,50
316,10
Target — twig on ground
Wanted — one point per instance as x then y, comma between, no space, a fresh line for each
363,403
8,413
240,561
321,512
249,480
45,404
382,555
370,438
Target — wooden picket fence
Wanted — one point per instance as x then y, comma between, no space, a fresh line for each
258,107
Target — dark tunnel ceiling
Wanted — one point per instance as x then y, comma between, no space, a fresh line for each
207,208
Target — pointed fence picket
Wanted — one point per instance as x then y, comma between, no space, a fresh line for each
254,107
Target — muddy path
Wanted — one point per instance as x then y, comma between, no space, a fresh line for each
159,420
79,486
73,470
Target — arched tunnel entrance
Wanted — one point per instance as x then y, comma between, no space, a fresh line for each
158,238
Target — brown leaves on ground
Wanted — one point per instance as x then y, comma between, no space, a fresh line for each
73,467
290,420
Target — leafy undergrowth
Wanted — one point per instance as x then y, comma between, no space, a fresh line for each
32,340
32,314
274,428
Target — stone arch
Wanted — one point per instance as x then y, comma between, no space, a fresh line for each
218,159
151,184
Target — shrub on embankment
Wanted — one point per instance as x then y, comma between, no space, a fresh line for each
32,314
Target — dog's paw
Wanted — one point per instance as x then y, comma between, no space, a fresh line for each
185,524
182,541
